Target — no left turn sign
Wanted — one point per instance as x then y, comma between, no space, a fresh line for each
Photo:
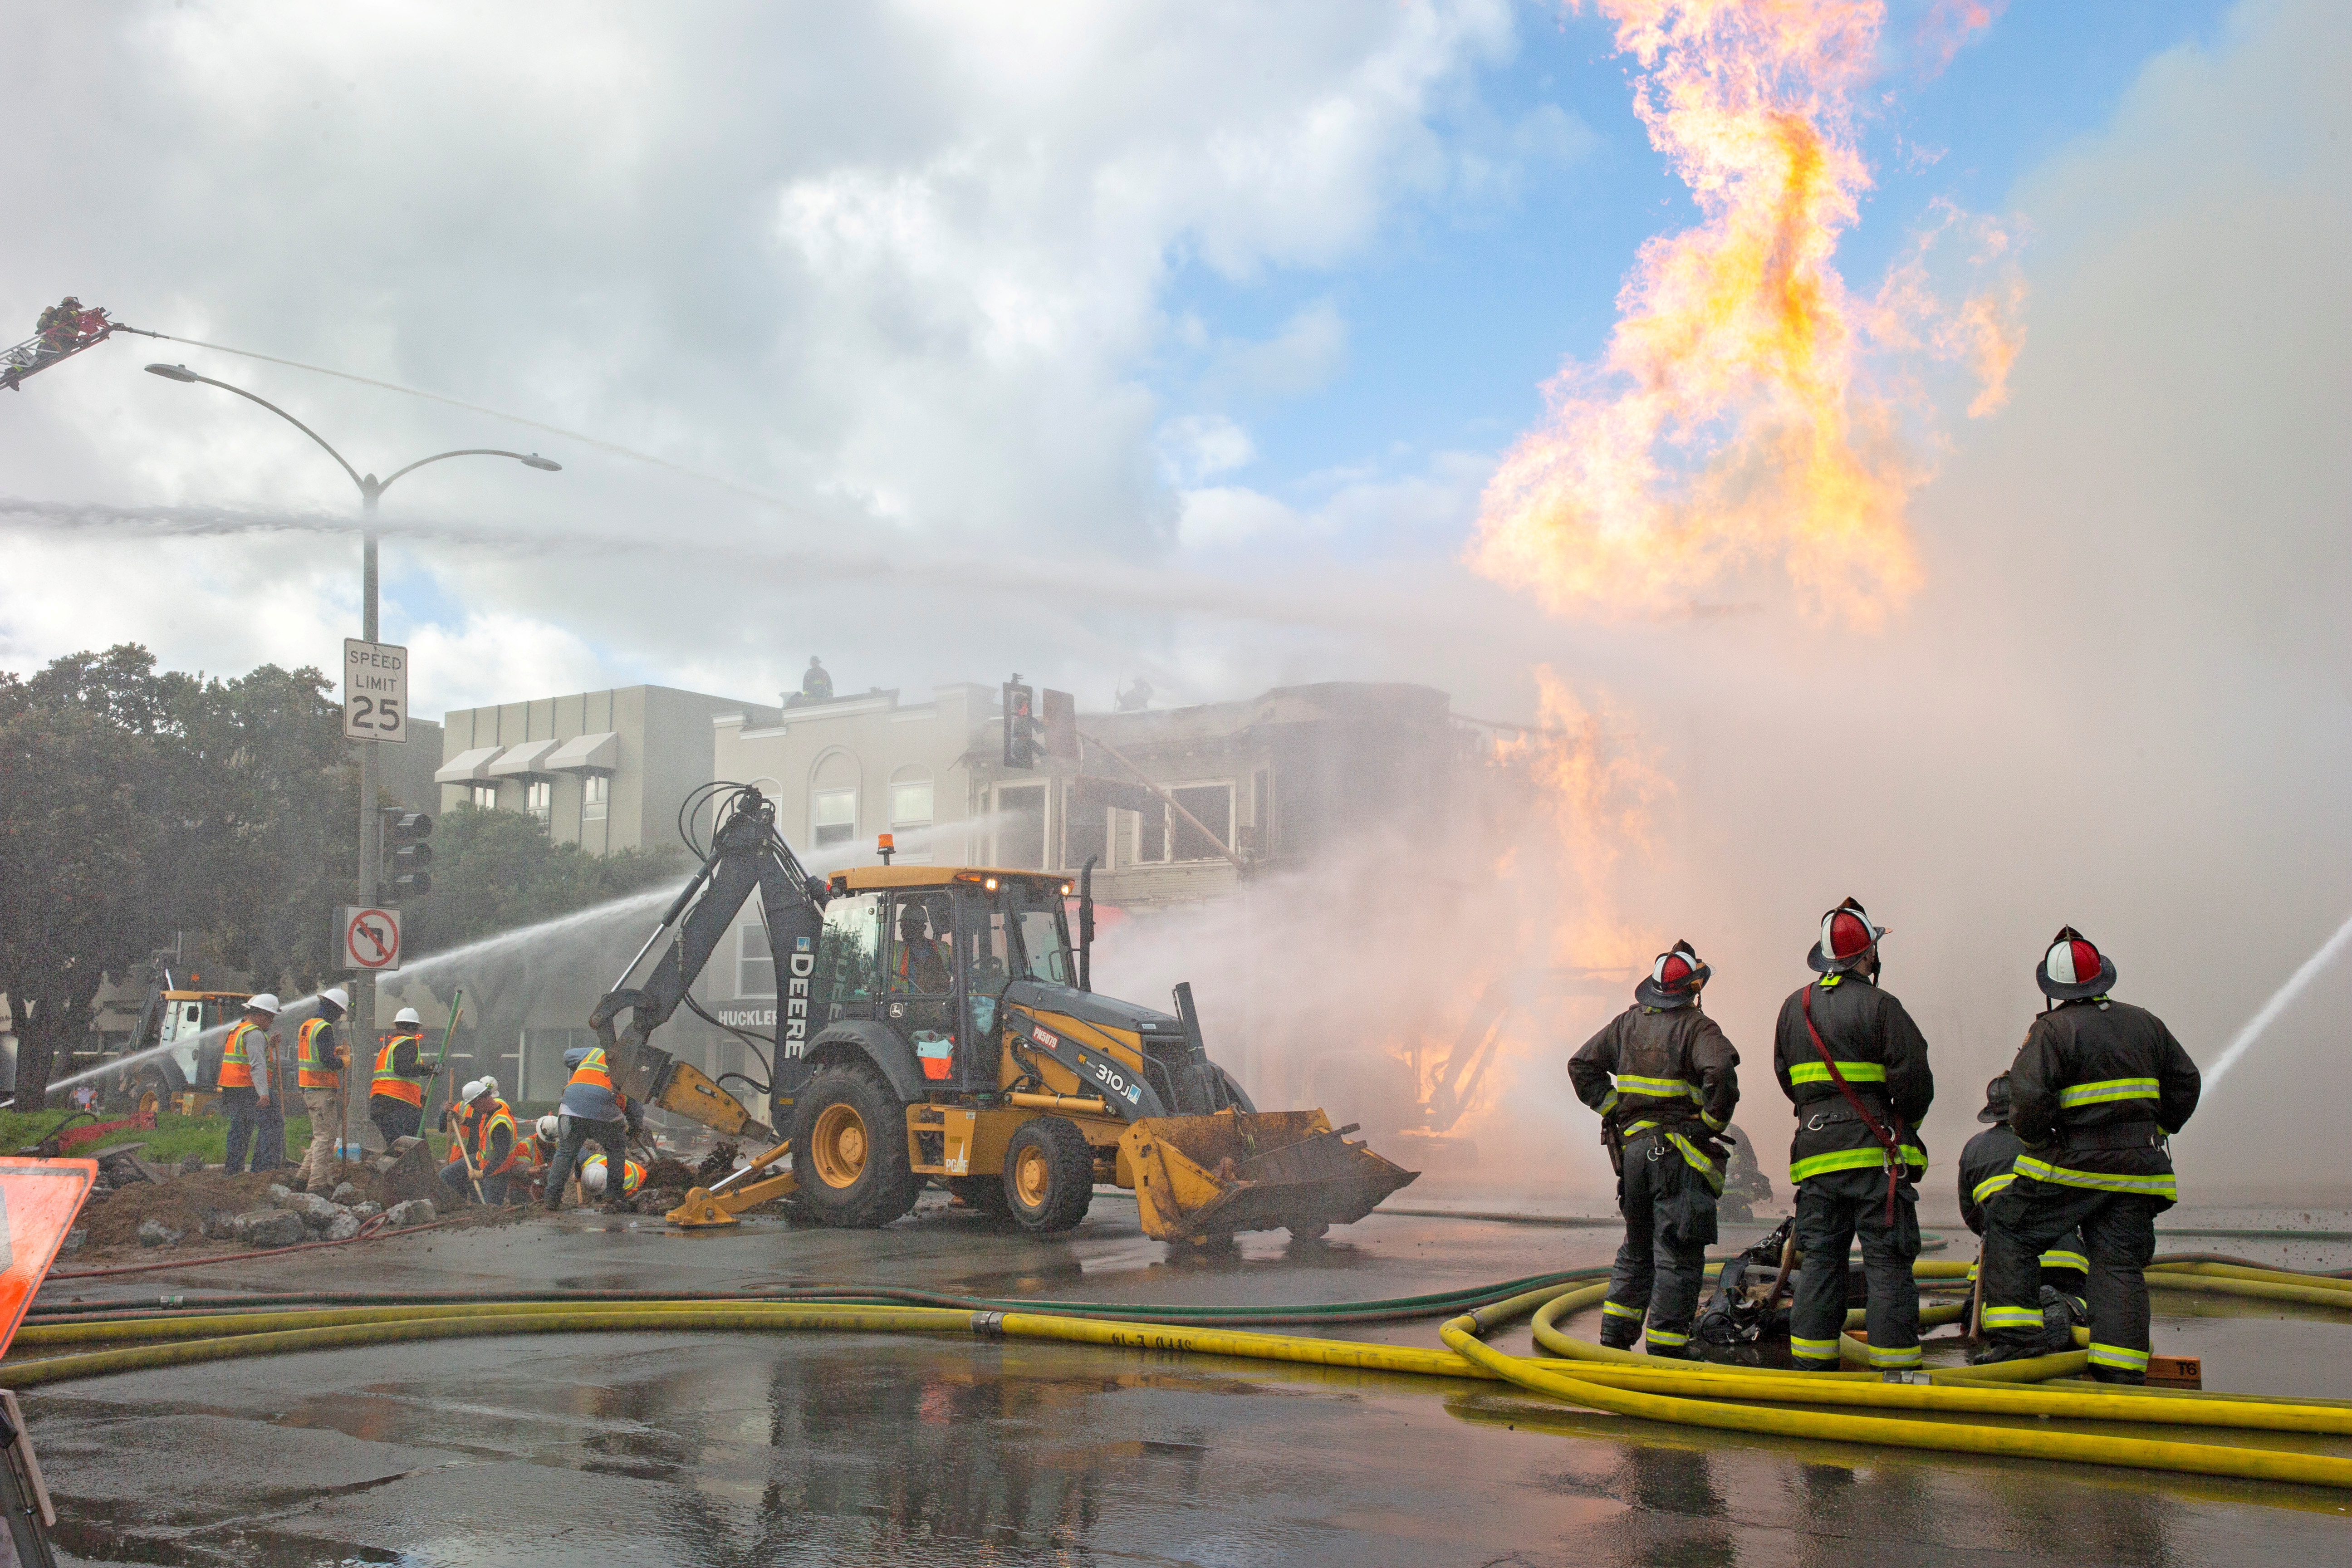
370,938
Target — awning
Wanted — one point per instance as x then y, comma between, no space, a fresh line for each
466,766
586,754
525,761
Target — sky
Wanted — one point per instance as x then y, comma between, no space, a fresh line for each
1185,341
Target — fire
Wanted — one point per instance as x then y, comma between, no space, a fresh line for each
1734,417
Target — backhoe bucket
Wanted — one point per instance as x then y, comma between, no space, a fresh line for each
1201,1176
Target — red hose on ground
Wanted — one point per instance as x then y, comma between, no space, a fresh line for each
371,1227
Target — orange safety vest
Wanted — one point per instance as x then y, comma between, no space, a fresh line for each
390,1084
313,1069
461,1122
237,1066
502,1114
592,1070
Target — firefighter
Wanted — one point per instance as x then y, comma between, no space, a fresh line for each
1988,1166
244,1078
590,1111
1664,1080
2096,1091
816,686
320,1055
59,329
396,1091
1855,1066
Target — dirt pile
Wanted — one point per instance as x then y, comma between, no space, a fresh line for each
181,1203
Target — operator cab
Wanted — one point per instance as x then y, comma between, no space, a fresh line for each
932,951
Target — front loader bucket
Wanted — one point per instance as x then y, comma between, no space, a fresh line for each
1199,1176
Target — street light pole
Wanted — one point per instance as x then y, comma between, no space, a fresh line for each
356,1125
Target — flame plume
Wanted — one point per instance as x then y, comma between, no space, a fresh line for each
1732,418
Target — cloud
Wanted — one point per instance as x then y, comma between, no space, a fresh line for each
1203,446
1308,353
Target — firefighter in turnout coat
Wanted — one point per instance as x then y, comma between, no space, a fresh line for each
1855,1066
1664,1080
2096,1091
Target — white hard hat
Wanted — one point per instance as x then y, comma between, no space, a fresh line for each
473,1087
490,1083
337,995
592,1175
405,1016
263,1002
547,1127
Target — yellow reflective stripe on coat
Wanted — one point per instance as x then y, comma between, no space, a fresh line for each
1855,1072
2107,1089
2160,1186
2118,1355
1608,1103
1708,1120
1992,1185
1871,1159
2074,1260
1659,1087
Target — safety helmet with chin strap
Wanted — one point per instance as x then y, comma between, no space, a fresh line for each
2074,969
1849,940
1674,979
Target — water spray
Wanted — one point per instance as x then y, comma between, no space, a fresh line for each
2280,1001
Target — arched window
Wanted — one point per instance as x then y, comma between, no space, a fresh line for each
833,798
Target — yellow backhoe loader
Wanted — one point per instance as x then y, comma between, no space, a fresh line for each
937,1022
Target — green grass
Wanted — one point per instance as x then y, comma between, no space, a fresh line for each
173,1139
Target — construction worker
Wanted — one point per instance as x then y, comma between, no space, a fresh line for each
483,1126
396,1091
1988,1166
533,1156
1855,1066
2096,1091
320,1055
270,1126
590,1111
1664,1080
919,969
595,1177
816,686
244,1078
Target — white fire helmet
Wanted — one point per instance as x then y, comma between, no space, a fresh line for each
262,1001
337,995
407,1015
547,1127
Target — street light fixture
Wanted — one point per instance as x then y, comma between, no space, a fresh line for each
371,825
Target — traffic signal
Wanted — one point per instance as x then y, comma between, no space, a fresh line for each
407,854
1019,725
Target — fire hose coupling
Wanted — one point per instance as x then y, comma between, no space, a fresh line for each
988,1325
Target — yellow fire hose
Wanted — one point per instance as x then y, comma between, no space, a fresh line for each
1737,1399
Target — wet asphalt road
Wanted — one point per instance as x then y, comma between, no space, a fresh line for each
743,1449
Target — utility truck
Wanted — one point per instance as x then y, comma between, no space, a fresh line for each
937,1023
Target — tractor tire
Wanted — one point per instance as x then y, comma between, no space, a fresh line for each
849,1149
1049,1175
982,1195
149,1090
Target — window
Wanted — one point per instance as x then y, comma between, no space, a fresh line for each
833,816
1212,804
486,798
847,955
596,798
1085,831
539,799
910,816
1021,826
755,965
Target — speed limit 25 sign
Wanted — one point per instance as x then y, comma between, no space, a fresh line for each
376,690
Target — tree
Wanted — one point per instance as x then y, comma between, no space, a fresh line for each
134,802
